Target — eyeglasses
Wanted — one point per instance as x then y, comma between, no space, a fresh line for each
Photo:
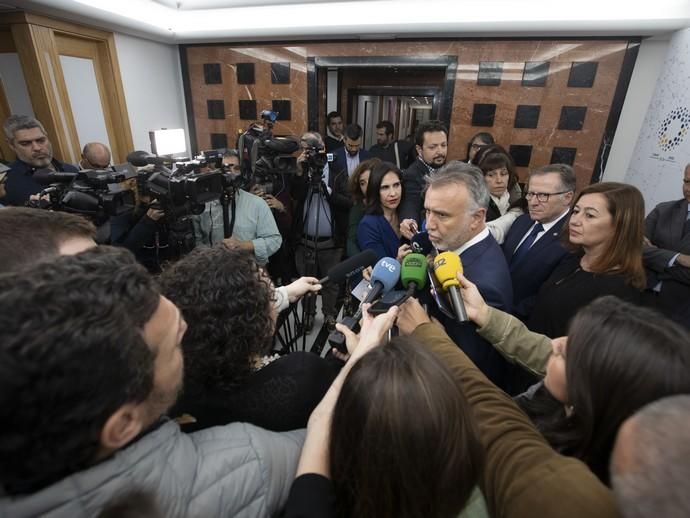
542,196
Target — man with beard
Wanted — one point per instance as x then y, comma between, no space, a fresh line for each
84,383
431,139
29,140
388,149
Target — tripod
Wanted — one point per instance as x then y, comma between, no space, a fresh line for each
319,250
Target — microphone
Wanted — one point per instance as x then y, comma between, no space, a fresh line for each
446,267
142,159
421,243
350,266
383,279
413,272
48,176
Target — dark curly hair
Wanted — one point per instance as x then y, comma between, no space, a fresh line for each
72,352
227,303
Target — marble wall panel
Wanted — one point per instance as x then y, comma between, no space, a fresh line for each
608,54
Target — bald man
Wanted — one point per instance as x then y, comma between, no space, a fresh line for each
95,156
649,464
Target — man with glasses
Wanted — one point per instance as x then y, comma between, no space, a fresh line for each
95,156
250,222
533,247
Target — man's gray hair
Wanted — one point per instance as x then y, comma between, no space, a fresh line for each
568,180
654,478
460,173
313,139
15,123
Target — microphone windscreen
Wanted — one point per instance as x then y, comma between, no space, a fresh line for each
138,158
351,266
48,176
421,243
413,269
386,272
446,267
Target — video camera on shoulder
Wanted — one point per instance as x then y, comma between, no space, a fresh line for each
181,192
96,194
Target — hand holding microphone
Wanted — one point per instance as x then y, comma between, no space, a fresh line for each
447,267
384,277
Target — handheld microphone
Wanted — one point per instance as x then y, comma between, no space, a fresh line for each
413,272
446,267
383,279
350,266
48,176
421,243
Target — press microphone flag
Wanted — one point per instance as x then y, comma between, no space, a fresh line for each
384,277
446,267
421,243
413,272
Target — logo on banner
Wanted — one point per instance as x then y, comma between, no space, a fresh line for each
673,129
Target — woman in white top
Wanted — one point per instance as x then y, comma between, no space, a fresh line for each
506,202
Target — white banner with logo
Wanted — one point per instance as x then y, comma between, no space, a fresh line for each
663,147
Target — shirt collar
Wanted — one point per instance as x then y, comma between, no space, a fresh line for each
476,239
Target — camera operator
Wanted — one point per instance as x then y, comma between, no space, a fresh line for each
95,156
317,248
29,140
145,233
250,223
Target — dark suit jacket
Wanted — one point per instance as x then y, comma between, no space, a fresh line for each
484,265
539,263
413,186
21,185
341,199
664,228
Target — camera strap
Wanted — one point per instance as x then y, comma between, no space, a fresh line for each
233,206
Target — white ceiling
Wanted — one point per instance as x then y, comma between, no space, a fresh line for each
191,21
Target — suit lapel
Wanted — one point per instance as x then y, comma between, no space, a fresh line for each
678,222
470,256
552,235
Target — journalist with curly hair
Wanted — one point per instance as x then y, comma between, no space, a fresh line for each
228,302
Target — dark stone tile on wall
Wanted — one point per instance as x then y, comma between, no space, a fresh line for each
219,140
490,73
535,73
527,116
280,73
248,110
521,154
582,74
563,155
216,109
284,109
245,73
572,118
212,75
483,115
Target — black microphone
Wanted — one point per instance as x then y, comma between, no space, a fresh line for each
421,243
350,266
48,176
142,159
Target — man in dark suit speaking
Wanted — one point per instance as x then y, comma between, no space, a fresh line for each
455,204
667,255
533,246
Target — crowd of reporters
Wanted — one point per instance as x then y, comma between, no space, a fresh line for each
542,379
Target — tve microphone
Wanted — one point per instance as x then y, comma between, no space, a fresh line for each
413,272
421,243
384,277
350,266
446,267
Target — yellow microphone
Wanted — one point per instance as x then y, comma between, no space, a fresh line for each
446,267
